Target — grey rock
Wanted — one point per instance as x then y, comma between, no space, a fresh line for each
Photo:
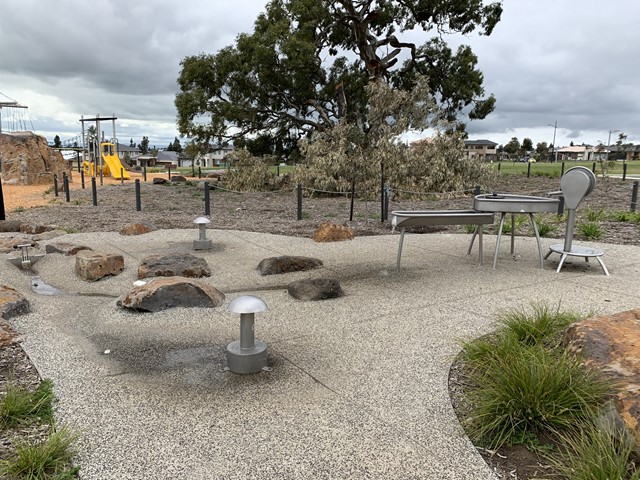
12,303
168,292
93,266
160,181
173,264
178,179
65,248
286,264
10,225
315,289
49,234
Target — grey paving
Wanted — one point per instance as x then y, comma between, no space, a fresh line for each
358,388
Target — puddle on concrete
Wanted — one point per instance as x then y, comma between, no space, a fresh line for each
39,286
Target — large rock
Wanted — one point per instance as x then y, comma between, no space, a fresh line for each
167,292
137,228
7,244
12,303
331,232
159,181
315,289
10,225
65,248
28,160
93,266
172,265
611,344
286,264
178,179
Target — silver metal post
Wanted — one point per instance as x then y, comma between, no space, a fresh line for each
247,339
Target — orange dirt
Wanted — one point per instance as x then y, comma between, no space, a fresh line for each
27,196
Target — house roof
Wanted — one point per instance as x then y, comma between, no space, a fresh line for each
167,156
488,143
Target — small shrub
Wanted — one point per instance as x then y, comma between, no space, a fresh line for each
534,390
543,326
590,230
595,452
544,228
22,406
49,459
595,215
19,209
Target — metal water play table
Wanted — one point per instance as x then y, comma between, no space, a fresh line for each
504,203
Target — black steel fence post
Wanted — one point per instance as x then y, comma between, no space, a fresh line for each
55,184
476,191
169,171
299,201
593,167
144,173
193,170
207,201
65,184
199,172
2,215
499,165
78,158
562,169
353,196
561,206
634,196
624,171
382,192
386,203
528,169
94,191
138,200
82,178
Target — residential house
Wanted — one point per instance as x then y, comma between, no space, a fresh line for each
215,157
481,149
584,153
625,152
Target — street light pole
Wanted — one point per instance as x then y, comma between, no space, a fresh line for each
609,142
555,152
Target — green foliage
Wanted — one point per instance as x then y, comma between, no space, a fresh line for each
524,384
143,146
50,459
590,230
306,64
545,229
595,215
250,174
336,156
19,405
596,452
624,216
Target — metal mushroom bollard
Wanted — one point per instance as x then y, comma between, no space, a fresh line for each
247,355
202,243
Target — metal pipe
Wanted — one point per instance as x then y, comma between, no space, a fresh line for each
2,213
634,196
207,201
55,184
571,223
138,200
299,202
94,192
247,336
65,184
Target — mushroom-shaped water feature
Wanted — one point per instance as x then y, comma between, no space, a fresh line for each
202,243
247,355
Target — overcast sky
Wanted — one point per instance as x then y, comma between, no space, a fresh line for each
565,61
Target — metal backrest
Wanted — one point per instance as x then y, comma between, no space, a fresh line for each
576,183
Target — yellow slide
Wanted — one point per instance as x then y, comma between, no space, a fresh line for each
112,165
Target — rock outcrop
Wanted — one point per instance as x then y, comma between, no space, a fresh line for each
65,248
168,292
28,160
612,345
286,264
92,266
137,228
173,265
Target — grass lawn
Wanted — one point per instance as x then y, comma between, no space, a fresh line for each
554,169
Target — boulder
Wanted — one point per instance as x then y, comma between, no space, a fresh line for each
12,303
173,265
137,228
160,181
93,266
610,344
315,289
28,160
10,225
167,292
65,248
178,179
7,244
286,264
36,229
331,232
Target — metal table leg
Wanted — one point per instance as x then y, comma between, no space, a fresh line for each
513,233
400,250
495,255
